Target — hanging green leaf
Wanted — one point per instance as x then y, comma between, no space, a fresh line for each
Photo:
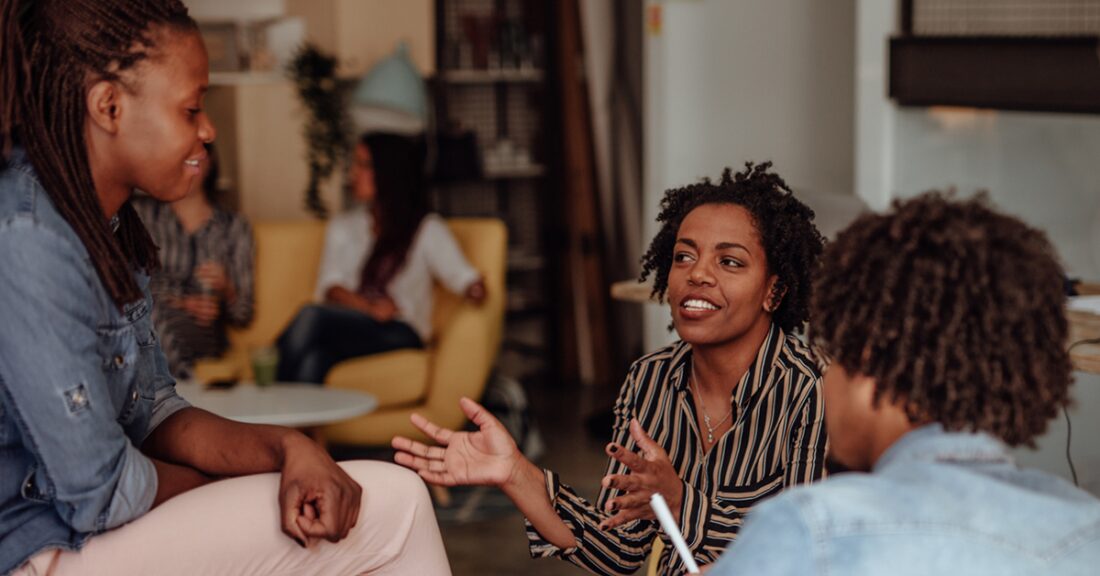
328,131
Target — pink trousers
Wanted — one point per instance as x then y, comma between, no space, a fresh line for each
232,527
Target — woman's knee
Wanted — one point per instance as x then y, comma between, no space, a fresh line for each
389,484
313,366
303,329
309,318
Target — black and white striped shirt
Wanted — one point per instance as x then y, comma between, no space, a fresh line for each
226,239
777,440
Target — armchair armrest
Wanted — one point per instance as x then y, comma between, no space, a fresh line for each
394,378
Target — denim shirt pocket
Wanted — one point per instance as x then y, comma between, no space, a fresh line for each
10,436
7,432
143,389
30,490
126,351
748,495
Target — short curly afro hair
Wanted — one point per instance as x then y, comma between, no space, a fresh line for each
953,309
785,226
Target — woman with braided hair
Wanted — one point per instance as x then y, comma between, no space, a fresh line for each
103,468
718,422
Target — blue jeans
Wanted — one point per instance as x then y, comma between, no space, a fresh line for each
321,336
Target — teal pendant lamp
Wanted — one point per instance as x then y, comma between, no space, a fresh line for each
391,97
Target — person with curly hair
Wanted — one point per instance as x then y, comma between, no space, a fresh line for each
944,323
726,417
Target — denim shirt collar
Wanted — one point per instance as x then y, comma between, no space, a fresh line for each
931,443
16,156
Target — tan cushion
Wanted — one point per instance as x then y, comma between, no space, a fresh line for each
288,255
395,378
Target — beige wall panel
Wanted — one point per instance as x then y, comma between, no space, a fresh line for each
360,32
320,18
370,29
271,153
221,104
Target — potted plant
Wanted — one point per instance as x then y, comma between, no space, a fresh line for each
328,130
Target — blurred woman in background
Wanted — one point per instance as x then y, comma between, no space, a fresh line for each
379,263
204,284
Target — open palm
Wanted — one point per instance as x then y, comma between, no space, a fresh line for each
487,456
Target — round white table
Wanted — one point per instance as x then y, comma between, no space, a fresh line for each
283,403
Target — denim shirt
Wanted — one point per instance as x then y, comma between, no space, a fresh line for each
935,503
81,383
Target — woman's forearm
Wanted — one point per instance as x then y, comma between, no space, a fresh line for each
175,479
220,447
229,294
343,297
381,309
527,489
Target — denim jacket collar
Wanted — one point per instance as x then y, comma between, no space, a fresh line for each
931,443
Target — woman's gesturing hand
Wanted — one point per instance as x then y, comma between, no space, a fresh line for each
487,457
650,471
317,498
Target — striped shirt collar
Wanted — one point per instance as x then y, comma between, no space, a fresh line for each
765,360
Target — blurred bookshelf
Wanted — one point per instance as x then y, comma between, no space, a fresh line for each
494,110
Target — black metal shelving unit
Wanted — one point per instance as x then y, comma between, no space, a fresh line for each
1028,55
511,97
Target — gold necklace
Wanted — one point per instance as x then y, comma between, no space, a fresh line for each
703,406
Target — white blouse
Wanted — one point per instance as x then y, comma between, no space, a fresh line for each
434,254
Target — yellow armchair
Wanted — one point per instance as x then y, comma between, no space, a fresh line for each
456,363
288,255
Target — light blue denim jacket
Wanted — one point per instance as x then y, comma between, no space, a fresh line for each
81,383
935,503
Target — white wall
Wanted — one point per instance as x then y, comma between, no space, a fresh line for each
235,10
1040,167
727,82
1050,454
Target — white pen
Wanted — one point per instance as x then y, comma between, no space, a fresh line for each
664,516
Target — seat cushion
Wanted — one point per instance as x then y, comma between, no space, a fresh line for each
394,378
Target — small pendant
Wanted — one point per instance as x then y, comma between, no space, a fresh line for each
710,437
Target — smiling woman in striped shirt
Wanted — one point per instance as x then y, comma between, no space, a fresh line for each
727,416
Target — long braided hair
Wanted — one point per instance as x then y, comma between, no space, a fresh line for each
400,205
50,52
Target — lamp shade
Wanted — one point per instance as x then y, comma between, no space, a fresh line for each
392,95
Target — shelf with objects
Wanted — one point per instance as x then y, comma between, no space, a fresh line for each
495,152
